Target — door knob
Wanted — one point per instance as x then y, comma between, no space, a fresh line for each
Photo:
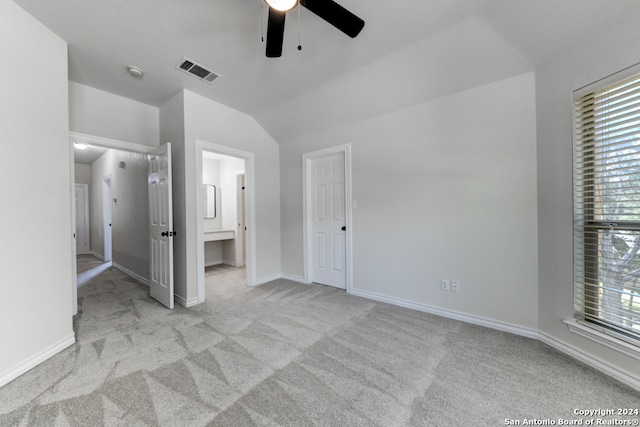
344,227
164,233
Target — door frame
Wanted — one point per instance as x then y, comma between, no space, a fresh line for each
307,229
250,212
99,141
87,244
107,216
241,203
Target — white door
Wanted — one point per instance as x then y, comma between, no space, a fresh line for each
161,225
107,216
328,223
82,220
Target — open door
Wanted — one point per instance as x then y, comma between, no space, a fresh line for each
161,225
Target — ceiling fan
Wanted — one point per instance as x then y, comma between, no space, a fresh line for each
328,10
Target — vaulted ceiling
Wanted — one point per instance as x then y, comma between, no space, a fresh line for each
408,51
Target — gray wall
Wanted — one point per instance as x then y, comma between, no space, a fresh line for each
35,320
96,112
172,129
211,176
202,119
105,115
210,121
222,173
130,211
444,189
594,58
82,173
230,167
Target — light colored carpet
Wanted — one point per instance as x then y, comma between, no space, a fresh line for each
288,354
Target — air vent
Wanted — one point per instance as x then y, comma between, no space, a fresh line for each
197,71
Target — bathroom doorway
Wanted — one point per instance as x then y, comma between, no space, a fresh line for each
225,232
223,213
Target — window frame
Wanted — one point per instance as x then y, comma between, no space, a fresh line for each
586,322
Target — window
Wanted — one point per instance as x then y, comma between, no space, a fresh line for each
607,207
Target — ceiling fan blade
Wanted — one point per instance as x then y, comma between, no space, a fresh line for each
335,15
275,33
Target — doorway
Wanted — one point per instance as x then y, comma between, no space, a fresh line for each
247,222
107,182
107,214
327,205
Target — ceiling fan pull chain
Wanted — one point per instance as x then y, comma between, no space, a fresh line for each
262,20
299,42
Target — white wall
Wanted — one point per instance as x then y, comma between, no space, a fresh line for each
596,57
444,189
210,121
467,54
222,173
230,167
96,112
211,176
172,130
35,320
186,118
82,173
129,213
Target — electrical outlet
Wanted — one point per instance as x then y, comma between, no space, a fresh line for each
445,284
455,286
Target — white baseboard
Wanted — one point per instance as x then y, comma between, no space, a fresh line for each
35,360
131,274
293,278
463,317
230,263
184,302
97,255
266,279
270,278
621,375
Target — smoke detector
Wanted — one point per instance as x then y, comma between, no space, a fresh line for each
135,71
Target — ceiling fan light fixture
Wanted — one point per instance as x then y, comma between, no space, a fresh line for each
282,5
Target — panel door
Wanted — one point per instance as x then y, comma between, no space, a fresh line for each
328,221
161,226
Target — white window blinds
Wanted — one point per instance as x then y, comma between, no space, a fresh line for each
607,207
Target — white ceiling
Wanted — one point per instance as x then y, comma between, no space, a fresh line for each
88,155
408,51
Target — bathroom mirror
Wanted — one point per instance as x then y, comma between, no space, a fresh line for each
209,197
